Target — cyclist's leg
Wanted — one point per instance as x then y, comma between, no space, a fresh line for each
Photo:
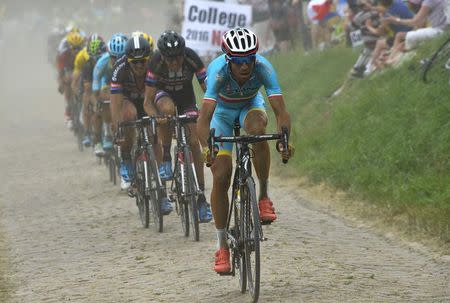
67,80
129,112
223,123
87,121
106,118
165,106
96,119
254,120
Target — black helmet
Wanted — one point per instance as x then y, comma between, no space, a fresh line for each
171,44
137,48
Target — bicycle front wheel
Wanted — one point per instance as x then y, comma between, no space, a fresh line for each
252,233
141,197
155,190
191,195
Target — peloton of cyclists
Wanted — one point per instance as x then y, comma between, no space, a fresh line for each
232,93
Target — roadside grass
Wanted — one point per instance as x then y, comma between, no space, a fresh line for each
385,139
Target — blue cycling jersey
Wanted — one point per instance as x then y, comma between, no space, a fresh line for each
223,89
102,73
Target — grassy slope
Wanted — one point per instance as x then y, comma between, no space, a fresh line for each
385,139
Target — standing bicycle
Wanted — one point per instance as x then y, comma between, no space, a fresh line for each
232,93
147,187
243,228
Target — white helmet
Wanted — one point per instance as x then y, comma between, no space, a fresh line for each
239,42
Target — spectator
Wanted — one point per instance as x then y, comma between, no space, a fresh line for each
397,9
368,21
322,17
279,24
431,12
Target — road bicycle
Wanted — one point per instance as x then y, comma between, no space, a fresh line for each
147,186
438,66
185,188
244,229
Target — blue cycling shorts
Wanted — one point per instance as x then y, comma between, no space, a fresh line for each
225,116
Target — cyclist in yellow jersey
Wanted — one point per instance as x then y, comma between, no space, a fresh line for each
82,82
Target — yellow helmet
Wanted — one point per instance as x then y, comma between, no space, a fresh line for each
146,37
75,39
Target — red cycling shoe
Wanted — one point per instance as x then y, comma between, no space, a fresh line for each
266,211
222,261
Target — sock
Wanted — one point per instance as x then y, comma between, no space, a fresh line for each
263,188
166,153
221,238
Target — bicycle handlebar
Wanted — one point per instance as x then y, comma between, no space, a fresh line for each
282,138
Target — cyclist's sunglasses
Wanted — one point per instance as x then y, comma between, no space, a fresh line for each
138,61
241,60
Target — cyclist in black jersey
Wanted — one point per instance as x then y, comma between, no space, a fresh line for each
127,97
169,91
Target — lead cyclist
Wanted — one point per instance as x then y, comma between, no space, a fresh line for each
232,93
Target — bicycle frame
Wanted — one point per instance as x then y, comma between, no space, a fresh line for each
180,133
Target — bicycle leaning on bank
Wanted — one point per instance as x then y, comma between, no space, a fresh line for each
147,186
244,230
185,188
438,66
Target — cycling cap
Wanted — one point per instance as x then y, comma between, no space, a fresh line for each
146,37
96,45
239,42
116,45
171,44
75,39
137,48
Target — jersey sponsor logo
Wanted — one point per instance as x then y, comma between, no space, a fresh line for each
116,71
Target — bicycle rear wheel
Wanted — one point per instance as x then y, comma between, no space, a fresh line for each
252,233
437,69
155,190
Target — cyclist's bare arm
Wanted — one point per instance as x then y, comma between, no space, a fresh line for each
116,109
149,106
204,120
281,114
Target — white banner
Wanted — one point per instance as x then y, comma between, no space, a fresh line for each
206,21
